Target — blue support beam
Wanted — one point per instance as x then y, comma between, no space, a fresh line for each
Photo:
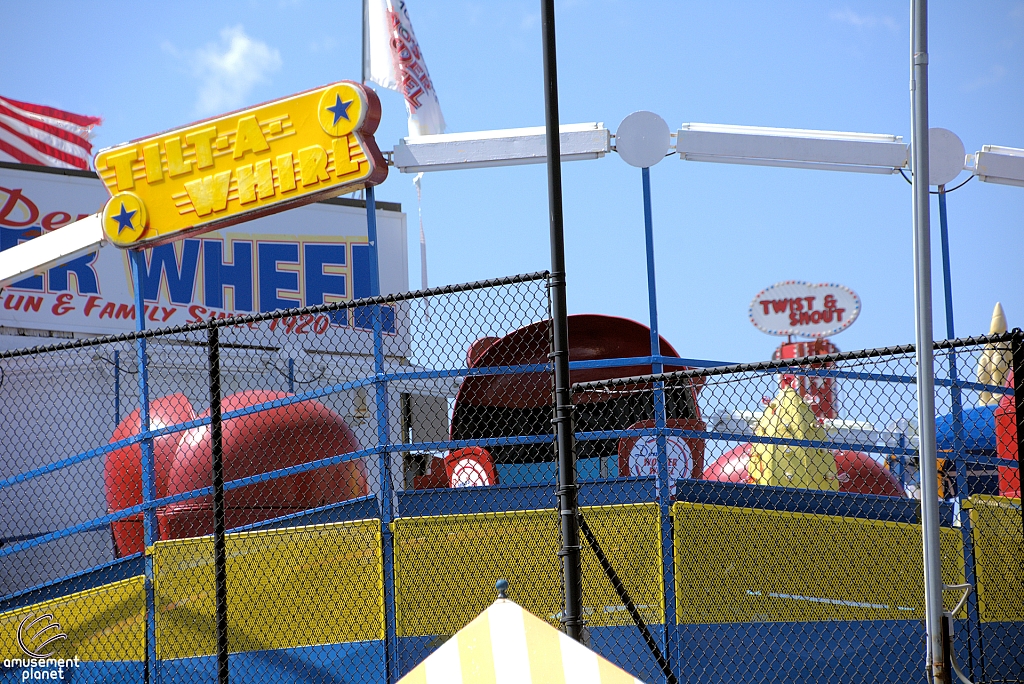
149,523
664,478
974,664
383,441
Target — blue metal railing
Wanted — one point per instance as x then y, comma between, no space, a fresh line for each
386,500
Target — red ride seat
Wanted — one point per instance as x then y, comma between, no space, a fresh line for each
259,443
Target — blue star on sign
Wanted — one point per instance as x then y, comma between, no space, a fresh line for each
124,219
339,109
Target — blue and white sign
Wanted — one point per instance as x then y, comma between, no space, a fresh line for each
312,255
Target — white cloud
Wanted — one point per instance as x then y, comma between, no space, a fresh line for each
168,47
848,16
326,45
472,12
994,75
231,68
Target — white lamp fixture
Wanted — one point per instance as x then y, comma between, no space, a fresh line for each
994,164
508,147
643,139
945,156
792,147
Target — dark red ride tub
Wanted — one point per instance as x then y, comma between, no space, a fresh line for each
122,470
260,443
857,472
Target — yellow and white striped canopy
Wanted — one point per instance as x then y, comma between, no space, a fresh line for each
507,645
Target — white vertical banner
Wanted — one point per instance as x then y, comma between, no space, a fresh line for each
393,59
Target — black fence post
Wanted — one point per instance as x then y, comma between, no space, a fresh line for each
572,573
219,546
627,600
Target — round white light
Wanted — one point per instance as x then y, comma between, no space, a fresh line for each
642,139
945,156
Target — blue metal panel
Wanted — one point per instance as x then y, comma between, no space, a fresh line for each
521,497
122,568
625,647
1003,661
974,428
87,672
802,652
352,663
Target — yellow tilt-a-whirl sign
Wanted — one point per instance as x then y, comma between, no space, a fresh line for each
243,165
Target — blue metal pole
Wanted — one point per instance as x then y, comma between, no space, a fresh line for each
947,281
958,459
384,458
665,486
652,293
903,460
149,523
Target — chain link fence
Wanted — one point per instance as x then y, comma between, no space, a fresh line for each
328,494
790,532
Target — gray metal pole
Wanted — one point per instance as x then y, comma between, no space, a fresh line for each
928,466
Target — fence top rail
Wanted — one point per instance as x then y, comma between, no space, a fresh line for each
782,364
273,315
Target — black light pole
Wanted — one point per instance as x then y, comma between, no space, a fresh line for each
570,553
220,555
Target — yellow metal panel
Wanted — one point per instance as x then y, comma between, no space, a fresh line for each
105,623
630,535
998,550
299,586
446,566
746,565
239,166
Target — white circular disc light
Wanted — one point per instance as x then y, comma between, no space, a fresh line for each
643,139
945,156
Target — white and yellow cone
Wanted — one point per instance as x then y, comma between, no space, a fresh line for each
788,416
506,644
995,361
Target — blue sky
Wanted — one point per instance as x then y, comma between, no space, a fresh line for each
722,232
